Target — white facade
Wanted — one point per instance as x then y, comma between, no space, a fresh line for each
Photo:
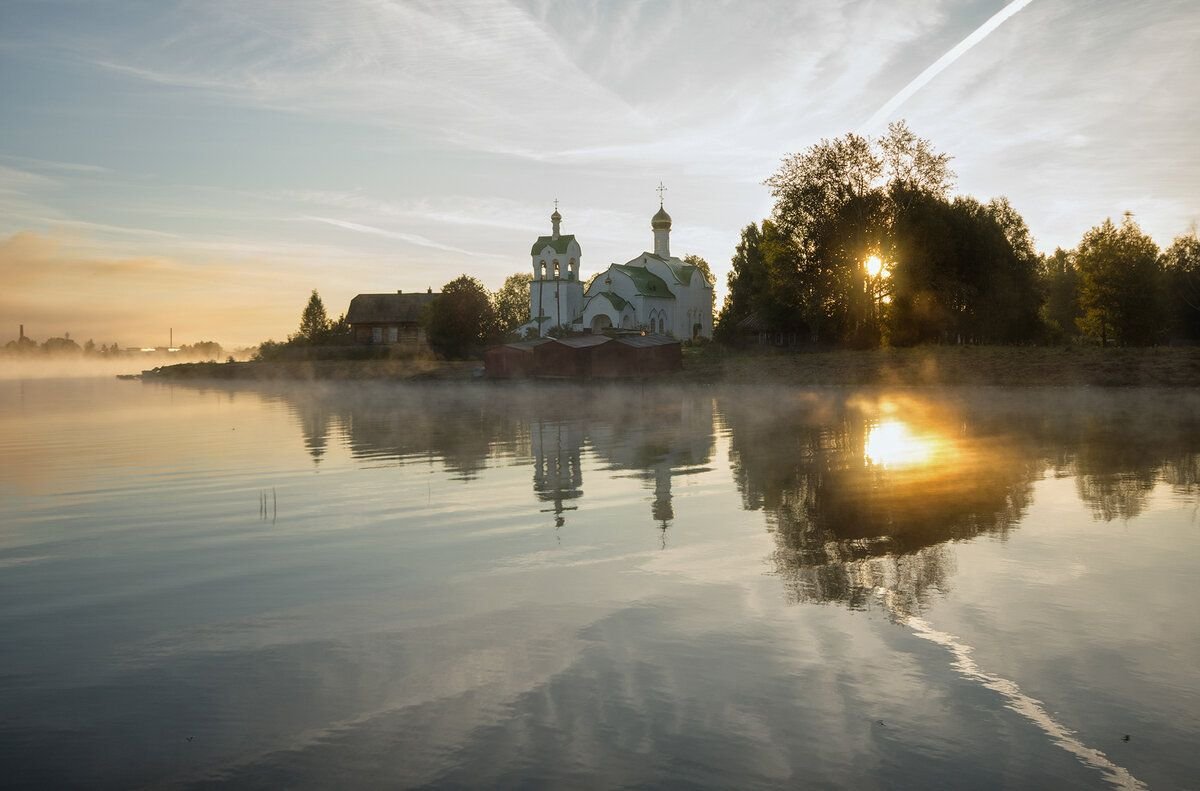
654,292
556,293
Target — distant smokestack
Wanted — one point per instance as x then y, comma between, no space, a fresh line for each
22,332
399,291
171,338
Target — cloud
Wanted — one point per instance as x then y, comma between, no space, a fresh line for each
410,238
944,62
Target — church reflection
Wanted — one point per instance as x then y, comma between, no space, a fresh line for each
860,493
557,471
649,439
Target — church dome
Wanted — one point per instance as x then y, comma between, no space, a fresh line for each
661,221
556,216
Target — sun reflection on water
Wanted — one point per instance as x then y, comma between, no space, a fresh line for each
892,444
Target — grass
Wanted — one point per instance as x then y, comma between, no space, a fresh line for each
708,364
949,365
305,370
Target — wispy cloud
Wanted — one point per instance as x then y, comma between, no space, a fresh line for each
410,238
941,64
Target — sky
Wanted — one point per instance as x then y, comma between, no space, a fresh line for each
203,166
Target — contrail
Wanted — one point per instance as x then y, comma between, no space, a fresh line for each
1016,700
939,65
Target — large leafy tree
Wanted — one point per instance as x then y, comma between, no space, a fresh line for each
1181,272
838,203
511,302
462,319
1119,284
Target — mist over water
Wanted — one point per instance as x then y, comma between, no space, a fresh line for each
470,585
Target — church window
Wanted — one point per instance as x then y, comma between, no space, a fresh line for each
556,270
542,269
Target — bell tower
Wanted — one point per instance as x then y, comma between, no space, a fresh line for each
556,292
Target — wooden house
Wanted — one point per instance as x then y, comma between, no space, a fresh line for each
376,319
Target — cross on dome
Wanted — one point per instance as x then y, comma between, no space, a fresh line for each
661,190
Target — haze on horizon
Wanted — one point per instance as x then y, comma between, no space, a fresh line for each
204,166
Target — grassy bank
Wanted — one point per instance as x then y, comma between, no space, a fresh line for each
304,370
922,366
949,365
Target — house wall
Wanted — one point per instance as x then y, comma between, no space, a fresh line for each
388,334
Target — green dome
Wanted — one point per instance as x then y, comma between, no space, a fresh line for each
661,221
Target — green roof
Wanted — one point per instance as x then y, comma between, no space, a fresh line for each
683,272
559,244
646,282
617,301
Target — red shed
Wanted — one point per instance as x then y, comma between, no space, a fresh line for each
567,357
511,360
637,356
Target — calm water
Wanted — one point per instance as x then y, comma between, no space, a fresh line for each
472,586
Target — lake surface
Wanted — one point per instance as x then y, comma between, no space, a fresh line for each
330,586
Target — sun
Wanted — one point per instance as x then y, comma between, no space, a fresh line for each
874,265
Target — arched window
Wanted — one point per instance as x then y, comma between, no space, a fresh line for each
542,269
556,270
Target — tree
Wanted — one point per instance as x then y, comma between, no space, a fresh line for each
746,281
203,350
838,203
702,265
1060,288
511,302
910,164
314,323
462,319
1119,282
339,331
63,345
1181,273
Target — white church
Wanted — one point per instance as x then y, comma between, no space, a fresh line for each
653,292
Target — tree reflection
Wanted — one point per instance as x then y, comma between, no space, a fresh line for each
863,494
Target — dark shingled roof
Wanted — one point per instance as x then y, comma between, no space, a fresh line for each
388,308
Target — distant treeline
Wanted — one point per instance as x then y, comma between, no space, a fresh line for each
866,247
66,346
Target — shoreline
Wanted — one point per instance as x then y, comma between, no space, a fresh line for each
923,366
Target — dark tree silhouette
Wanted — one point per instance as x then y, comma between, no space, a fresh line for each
1181,271
511,302
462,319
1119,284
314,323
